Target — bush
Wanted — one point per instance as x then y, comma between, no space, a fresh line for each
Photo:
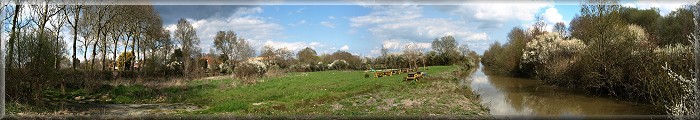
551,56
250,69
320,66
225,68
668,86
608,61
338,65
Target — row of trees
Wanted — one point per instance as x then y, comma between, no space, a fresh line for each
46,39
95,30
229,45
611,50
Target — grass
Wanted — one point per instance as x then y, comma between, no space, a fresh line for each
316,93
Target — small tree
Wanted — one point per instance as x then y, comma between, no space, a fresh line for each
187,37
412,54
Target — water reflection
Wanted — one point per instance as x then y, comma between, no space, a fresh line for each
518,96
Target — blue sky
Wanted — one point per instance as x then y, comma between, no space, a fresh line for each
363,29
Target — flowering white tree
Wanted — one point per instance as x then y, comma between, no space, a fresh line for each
688,105
338,64
546,47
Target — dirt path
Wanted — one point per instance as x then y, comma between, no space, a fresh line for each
118,109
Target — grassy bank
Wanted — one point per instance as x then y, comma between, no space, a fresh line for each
311,93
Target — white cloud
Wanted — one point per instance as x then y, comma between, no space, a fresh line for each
345,48
496,14
396,26
425,29
375,52
254,29
398,44
552,15
247,11
313,44
629,5
665,6
384,14
503,12
327,24
331,17
293,46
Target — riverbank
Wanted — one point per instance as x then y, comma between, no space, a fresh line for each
302,93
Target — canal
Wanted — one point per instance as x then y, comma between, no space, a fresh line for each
519,96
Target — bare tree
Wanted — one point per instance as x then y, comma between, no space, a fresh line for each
412,54
74,10
13,35
187,37
43,14
234,46
539,27
560,27
57,25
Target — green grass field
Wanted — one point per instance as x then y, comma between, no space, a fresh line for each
336,93
314,93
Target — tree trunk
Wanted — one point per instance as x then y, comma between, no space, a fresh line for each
87,46
126,48
11,42
104,51
133,46
94,46
57,61
75,35
114,54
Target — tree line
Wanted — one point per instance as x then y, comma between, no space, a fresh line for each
46,39
609,50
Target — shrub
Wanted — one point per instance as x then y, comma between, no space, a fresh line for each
338,65
685,102
320,66
225,68
671,88
551,56
250,69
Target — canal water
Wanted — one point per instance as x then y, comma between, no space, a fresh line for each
518,96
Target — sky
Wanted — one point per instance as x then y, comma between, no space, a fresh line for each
362,29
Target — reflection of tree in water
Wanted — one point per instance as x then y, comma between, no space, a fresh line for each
526,95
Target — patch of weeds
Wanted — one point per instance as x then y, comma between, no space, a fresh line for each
229,106
131,93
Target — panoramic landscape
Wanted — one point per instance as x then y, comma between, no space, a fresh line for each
358,59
